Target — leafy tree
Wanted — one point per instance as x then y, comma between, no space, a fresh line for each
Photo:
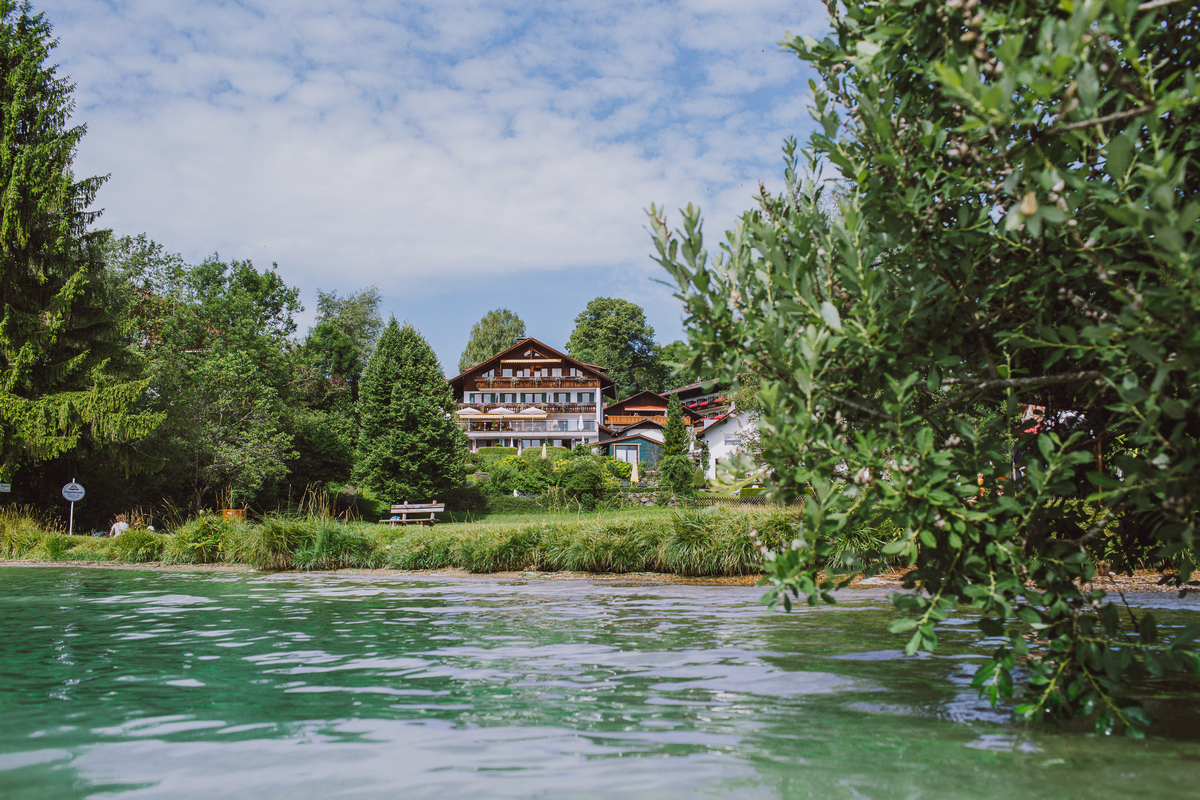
674,358
67,373
216,337
409,445
496,332
1018,225
613,333
346,330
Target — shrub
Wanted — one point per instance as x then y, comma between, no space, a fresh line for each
677,474
487,454
465,499
583,478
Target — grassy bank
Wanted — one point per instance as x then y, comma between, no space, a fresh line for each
708,542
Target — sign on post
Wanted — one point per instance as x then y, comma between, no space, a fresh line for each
72,491
5,487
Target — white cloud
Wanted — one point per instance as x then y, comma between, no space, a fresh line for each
414,143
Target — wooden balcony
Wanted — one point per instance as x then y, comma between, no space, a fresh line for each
617,420
536,384
549,408
621,420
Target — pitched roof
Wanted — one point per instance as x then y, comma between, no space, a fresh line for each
605,381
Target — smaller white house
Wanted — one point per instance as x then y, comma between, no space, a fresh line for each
725,436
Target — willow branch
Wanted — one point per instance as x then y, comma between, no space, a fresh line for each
1087,123
1009,383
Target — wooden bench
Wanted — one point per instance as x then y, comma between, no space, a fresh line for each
420,513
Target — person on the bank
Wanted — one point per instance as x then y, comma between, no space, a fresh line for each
119,526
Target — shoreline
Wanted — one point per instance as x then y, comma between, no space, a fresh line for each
1141,582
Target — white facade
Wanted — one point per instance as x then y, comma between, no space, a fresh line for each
531,395
725,438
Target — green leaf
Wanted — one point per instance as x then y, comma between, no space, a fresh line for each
1117,157
830,314
903,624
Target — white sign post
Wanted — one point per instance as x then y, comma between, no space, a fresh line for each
72,491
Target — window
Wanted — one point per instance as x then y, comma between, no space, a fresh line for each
627,453
556,372
471,397
533,397
562,397
507,373
508,398
587,397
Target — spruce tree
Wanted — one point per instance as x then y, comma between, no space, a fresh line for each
409,445
66,369
676,467
675,436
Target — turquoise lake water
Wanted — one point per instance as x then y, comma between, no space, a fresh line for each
134,684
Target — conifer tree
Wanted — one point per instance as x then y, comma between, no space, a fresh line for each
66,370
409,445
675,438
675,466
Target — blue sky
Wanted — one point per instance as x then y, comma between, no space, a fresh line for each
462,156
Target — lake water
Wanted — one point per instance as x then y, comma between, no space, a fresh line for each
198,685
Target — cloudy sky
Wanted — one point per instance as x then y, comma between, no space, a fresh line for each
463,155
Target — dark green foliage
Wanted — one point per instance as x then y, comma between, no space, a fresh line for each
583,479
219,362
613,333
465,499
1016,223
67,372
705,456
676,474
488,453
409,447
496,332
675,434
518,473
346,330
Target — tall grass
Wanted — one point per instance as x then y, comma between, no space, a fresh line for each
696,542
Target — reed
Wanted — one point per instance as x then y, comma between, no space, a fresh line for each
138,546
334,545
22,529
695,542
200,540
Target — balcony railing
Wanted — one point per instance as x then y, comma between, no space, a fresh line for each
546,384
531,426
549,408
617,419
